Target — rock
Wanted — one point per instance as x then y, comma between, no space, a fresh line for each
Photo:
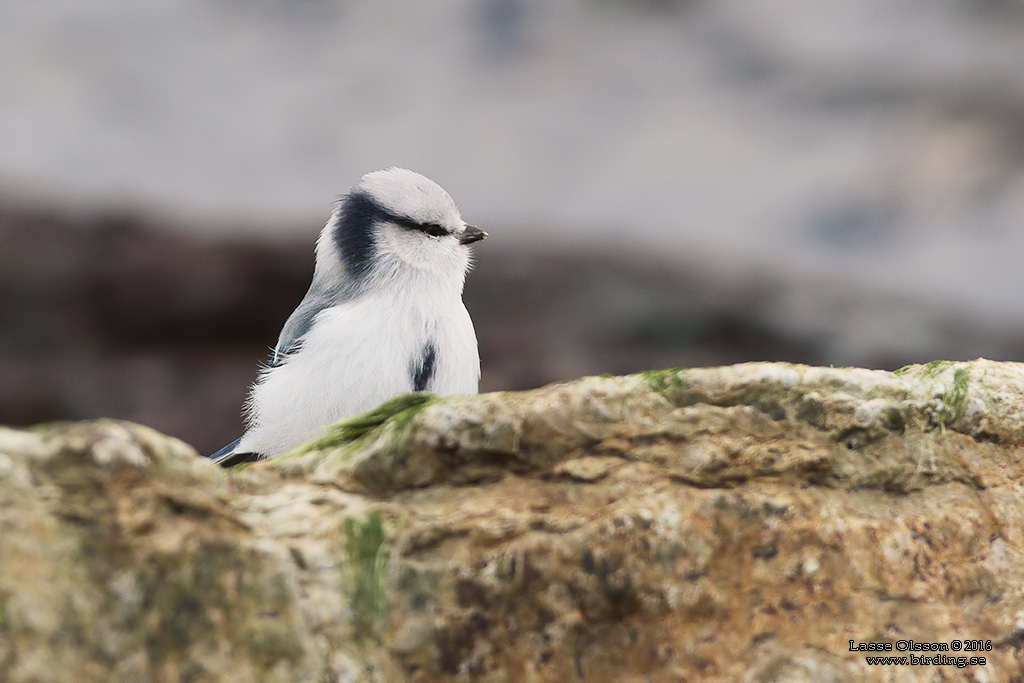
748,523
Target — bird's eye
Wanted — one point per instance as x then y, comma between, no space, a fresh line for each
433,229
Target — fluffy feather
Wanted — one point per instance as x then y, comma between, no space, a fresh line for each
387,287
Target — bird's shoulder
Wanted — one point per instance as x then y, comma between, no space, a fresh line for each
300,322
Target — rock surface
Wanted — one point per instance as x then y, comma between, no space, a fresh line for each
738,523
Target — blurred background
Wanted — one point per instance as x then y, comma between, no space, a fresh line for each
666,183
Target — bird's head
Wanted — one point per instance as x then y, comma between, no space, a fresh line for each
397,220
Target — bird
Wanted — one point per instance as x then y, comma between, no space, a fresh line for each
383,316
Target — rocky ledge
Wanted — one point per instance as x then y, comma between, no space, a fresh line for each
759,522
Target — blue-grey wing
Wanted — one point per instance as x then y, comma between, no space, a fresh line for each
298,325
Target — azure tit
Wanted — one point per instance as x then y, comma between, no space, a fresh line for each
383,316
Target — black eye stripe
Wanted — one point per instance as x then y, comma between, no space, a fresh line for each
353,233
430,228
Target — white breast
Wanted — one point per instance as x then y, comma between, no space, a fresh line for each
357,355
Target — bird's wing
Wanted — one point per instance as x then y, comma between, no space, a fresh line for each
300,322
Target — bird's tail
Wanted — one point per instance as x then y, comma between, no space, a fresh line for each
228,457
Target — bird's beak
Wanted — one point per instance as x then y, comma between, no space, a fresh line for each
472,234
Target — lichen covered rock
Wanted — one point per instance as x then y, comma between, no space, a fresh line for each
737,523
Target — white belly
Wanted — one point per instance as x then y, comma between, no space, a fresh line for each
356,356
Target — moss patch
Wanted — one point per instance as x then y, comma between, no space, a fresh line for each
954,400
663,381
670,383
364,547
403,408
931,369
